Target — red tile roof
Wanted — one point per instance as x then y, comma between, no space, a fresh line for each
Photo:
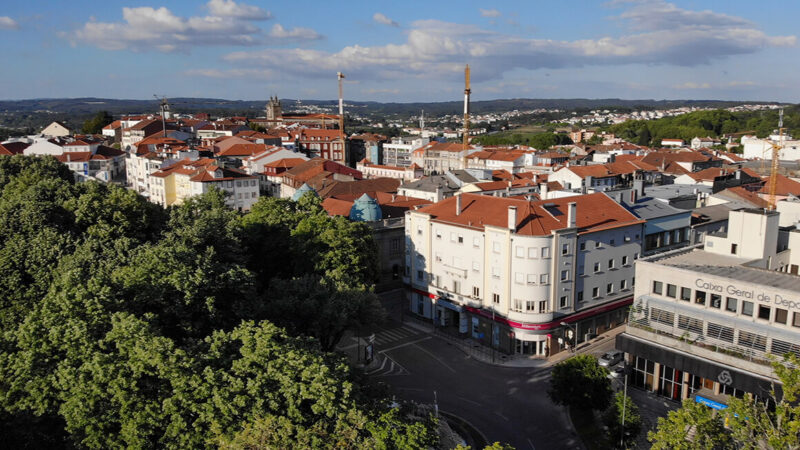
784,186
594,212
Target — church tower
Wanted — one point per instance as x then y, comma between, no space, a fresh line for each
274,109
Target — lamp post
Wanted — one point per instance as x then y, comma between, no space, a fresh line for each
624,403
575,331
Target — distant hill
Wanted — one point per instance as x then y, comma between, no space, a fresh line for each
86,106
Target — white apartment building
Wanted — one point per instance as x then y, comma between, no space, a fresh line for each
705,319
186,178
398,152
407,173
755,148
507,272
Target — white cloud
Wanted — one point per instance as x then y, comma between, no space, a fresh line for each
251,74
489,12
7,23
728,85
146,28
436,49
296,34
382,19
229,8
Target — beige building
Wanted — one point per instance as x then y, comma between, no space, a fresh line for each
186,178
56,129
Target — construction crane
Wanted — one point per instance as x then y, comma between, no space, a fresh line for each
467,91
164,106
772,184
340,77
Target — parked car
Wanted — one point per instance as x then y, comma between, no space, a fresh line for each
610,358
617,372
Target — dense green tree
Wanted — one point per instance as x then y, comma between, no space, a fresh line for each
612,418
693,426
95,124
580,382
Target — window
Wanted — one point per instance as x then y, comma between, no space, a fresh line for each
595,292
533,253
496,247
686,294
419,229
517,305
530,306
733,249
438,234
752,340
781,315
421,275
460,238
730,304
690,324
476,266
598,244
796,319
564,275
764,312
543,306
531,278
610,264
716,301
563,301
545,252
583,246
476,242
609,288
544,278
596,267
519,251
453,237
495,272
456,286
519,278
238,183
495,298
611,242
658,287
623,285
662,316
672,290
700,297
564,249
438,257
625,260
580,296
476,291
720,332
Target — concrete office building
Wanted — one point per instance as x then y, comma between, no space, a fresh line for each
508,271
706,318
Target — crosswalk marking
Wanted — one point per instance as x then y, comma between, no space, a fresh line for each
386,366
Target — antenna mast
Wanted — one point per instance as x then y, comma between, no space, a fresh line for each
467,91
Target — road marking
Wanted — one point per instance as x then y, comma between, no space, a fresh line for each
379,368
531,443
405,345
436,357
501,416
469,401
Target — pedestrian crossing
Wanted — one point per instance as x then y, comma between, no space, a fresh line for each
384,337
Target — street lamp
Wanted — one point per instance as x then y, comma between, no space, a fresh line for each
575,331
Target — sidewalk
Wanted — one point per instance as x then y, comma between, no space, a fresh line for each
487,355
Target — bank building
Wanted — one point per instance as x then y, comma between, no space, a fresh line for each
705,319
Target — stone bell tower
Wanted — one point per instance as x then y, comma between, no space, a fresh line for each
274,109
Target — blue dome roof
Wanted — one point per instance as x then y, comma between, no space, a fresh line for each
303,189
365,209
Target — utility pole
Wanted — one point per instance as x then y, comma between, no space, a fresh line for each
624,403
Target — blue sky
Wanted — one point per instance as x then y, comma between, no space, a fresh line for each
401,51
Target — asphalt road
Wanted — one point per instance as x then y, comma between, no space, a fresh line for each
505,404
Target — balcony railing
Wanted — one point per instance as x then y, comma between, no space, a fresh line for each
756,347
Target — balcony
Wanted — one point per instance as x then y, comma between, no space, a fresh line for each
714,337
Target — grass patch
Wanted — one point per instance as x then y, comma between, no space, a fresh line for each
589,429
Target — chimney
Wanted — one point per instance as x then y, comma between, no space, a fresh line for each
638,186
738,174
572,210
633,196
543,191
438,193
394,197
536,178
458,203
512,218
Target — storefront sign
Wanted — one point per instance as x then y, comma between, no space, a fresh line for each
749,294
710,403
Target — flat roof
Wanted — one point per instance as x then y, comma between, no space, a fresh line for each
670,191
652,208
726,266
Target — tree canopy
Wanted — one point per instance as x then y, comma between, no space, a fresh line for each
127,325
580,382
95,124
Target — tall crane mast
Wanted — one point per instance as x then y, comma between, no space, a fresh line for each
340,77
467,91
164,110
772,185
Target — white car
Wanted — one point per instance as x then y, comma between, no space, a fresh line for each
610,358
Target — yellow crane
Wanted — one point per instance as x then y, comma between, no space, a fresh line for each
772,184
